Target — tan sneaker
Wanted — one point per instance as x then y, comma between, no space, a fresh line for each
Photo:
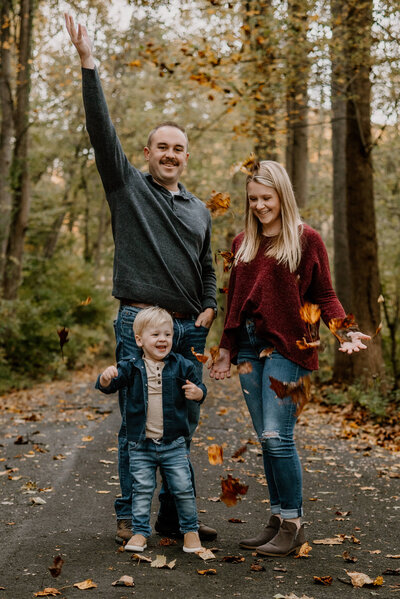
136,543
191,542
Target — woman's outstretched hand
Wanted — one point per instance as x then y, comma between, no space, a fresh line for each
355,344
222,366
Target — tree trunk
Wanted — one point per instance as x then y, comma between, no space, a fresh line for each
6,132
343,366
361,229
19,167
296,73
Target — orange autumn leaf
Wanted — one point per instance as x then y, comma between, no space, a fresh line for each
325,580
231,488
86,302
208,572
218,203
266,352
86,584
47,592
304,344
214,353
201,357
223,289
310,313
233,559
304,550
340,326
215,454
299,391
239,451
228,258
250,164
378,330
244,368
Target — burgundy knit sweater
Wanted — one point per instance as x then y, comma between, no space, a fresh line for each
272,296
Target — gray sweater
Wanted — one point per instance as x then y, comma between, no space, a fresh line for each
162,242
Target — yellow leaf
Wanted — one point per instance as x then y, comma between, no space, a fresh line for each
86,584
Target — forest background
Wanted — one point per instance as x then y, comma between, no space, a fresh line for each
313,84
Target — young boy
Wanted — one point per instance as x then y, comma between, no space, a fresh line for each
158,384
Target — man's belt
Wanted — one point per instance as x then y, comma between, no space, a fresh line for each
127,302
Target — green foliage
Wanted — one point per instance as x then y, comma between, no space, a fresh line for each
369,395
50,299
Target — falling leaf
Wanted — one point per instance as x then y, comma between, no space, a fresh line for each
304,550
325,580
223,289
266,352
218,203
161,562
208,572
378,330
124,581
201,357
55,569
340,326
380,299
206,554
239,451
63,335
233,559
310,313
250,165
231,488
86,302
304,344
47,592
299,391
228,258
244,368
86,584
215,454
214,353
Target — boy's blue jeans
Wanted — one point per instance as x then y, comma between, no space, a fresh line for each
186,335
273,420
172,457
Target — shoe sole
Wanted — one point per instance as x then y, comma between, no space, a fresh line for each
248,546
135,547
278,554
192,549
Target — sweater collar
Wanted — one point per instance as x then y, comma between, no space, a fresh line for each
182,189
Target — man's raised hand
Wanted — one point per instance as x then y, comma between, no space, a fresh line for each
80,39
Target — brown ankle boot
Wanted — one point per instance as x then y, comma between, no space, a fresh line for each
267,533
288,539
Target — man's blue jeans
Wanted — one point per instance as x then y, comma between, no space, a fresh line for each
273,420
186,335
172,457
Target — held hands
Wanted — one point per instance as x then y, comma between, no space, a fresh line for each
192,391
81,41
221,367
355,344
106,377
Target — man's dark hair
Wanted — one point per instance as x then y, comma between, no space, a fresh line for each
167,124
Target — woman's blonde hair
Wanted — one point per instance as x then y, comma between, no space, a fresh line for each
286,246
151,317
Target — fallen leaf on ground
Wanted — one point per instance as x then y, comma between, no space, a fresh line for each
359,579
257,568
208,572
38,501
166,542
231,488
349,558
393,556
87,438
239,451
206,554
161,562
86,584
55,569
124,581
233,559
141,558
236,521
47,592
325,580
333,541
215,454
304,550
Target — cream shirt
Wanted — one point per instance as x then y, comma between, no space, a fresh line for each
154,420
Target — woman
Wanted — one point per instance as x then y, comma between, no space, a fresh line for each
280,264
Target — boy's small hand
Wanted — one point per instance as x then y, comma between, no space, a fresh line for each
192,391
106,377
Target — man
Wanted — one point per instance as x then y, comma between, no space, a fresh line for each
162,254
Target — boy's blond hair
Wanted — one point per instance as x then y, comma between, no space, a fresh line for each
153,316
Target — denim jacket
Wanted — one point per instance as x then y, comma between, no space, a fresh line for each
132,376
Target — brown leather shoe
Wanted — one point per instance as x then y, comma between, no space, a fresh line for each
206,533
288,539
124,531
267,534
